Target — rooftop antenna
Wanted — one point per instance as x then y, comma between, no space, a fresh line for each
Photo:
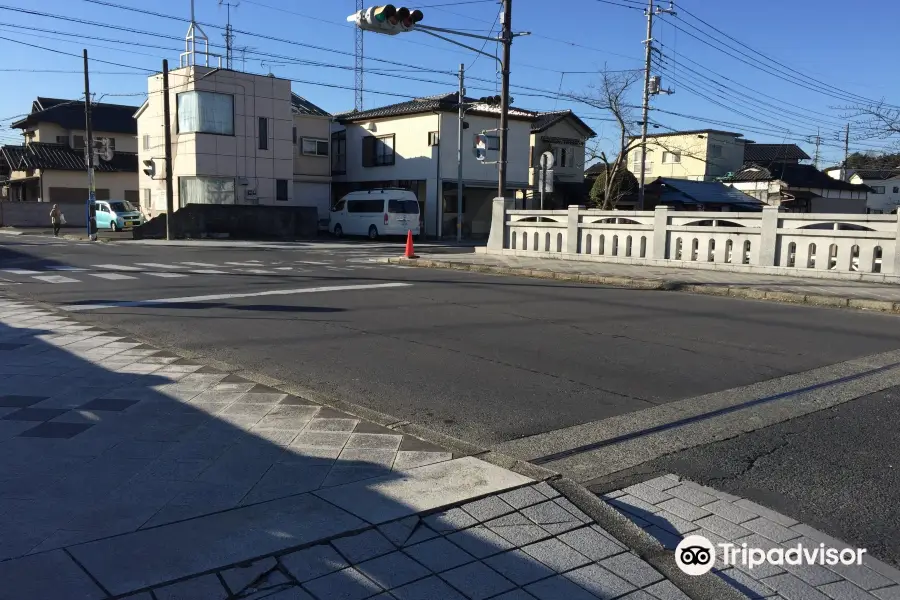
243,50
229,34
195,34
269,65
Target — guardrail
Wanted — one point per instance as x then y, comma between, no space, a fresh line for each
820,245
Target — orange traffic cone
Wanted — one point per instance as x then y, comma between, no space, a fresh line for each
410,253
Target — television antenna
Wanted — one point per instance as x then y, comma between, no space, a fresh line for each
229,33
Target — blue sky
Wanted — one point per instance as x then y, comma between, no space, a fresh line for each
840,58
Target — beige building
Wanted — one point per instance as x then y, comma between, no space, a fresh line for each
312,155
565,135
231,139
699,155
50,164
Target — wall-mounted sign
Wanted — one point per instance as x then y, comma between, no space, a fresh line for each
564,141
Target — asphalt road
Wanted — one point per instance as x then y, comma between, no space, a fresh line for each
837,470
483,358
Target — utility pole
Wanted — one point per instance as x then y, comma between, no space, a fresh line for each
459,151
88,143
818,143
358,64
645,105
506,39
167,162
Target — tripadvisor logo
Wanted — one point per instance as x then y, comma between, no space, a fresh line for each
696,555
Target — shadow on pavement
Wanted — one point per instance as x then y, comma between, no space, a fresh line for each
126,469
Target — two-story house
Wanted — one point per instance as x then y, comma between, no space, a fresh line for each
50,165
312,155
565,135
232,139
884,184
698,155
413,145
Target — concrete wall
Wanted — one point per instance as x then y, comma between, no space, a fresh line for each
860,247
235,222
229,156
37,214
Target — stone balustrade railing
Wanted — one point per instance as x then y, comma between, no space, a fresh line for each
820,245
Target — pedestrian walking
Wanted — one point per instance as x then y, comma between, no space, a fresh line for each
56,219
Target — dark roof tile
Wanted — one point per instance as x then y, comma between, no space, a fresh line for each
441,102
794,175
703,192
545,120
40,155
69,114
302,106
773,152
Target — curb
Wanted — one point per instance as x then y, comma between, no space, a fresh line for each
640,283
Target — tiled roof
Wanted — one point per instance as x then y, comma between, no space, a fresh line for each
773,152
40,155
69,114
876,174
705,192
303,106
794,175
442,102
545,120
691,132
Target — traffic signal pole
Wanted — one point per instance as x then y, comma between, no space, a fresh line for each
645,105
89,143
506,40
459,152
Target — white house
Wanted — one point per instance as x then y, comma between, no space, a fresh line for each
564,134
801,188
884,197
413,145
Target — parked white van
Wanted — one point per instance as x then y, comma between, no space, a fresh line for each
375,212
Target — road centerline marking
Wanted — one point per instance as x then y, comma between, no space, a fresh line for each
212,297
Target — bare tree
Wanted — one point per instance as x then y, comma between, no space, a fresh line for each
611,95
877,120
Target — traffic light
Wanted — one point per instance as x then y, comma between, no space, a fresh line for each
490,100
150,168
387,19
481,145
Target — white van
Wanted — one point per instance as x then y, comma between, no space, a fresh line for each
375,212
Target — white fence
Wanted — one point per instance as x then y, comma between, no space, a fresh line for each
819,245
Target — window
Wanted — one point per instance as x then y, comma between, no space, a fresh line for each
433,138
145,199
62,139
378,151
78,142
121,206
338,207
565,157
314,147
715,151
263,133
339,152
295,136
671,158
146,142
403,207
896,190
878,189
281,190
365,206
205,112
205,190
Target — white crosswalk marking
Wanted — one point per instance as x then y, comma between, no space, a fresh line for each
116,267
65,268
158,266
112,276
284,268
166,274
207,272
258,271
199,264
311,262
242,264
55,279
21,272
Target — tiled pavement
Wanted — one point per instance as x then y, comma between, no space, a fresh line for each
127,470
669,509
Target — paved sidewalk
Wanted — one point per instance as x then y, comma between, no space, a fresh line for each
779,288
128,471
670,509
